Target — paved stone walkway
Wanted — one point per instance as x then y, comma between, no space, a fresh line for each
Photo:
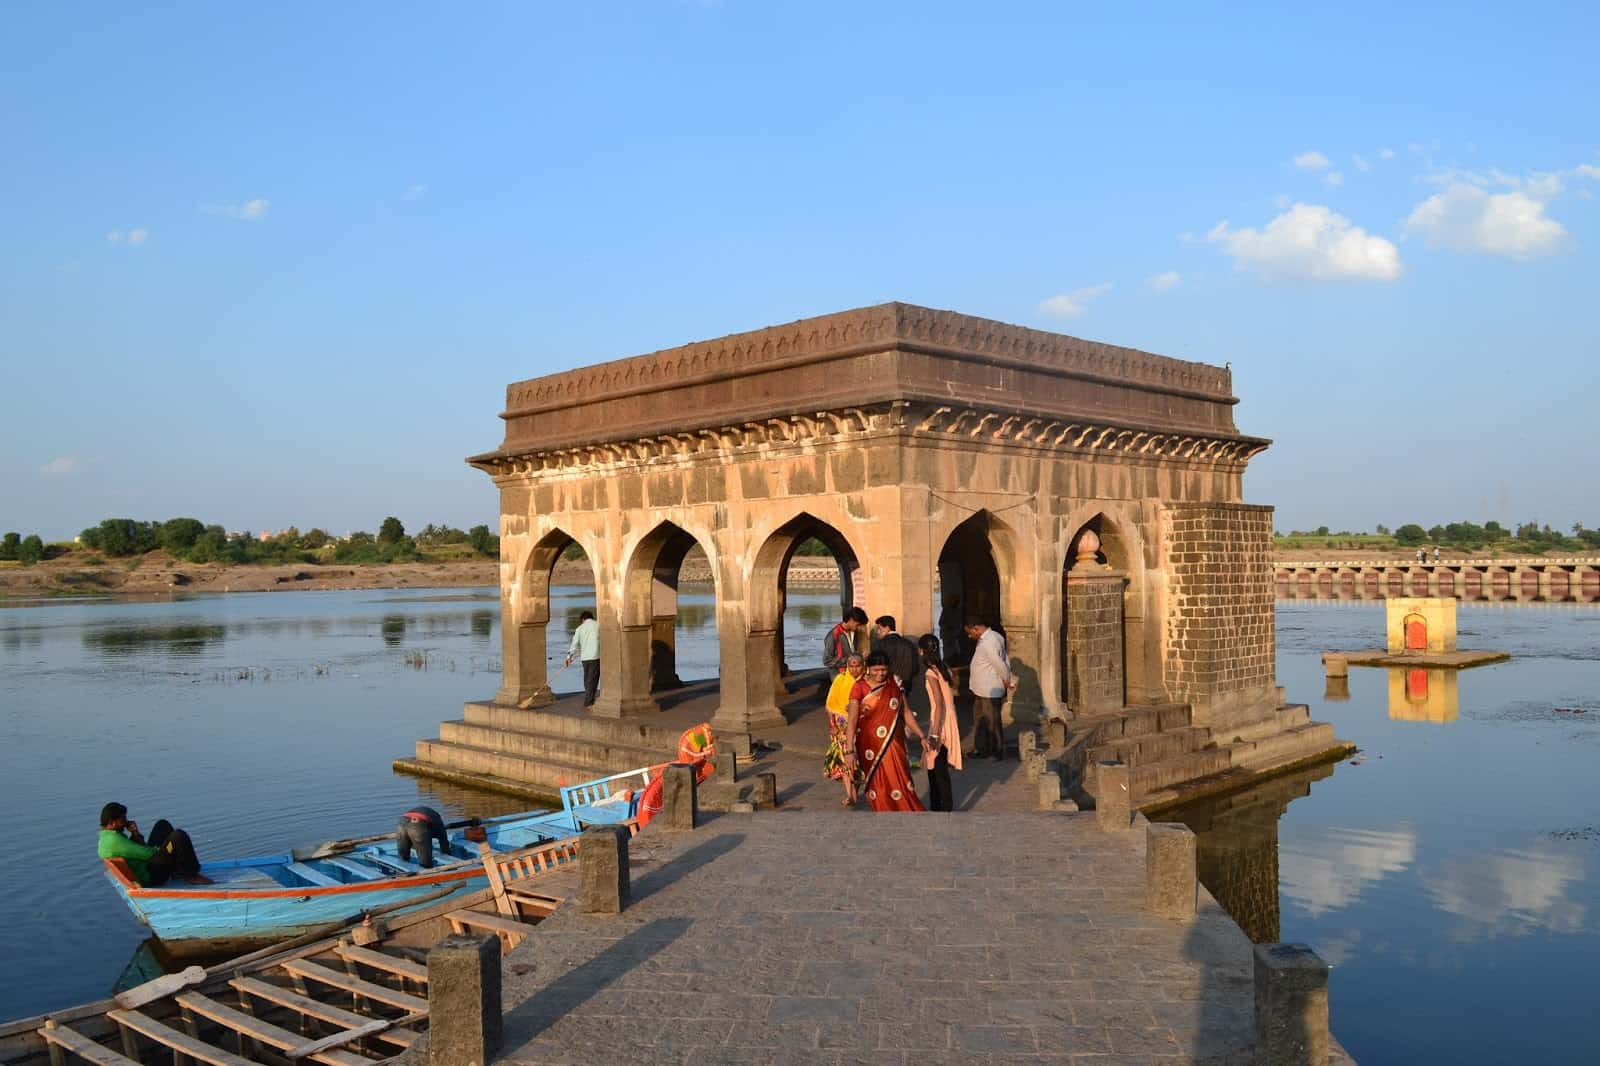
829,936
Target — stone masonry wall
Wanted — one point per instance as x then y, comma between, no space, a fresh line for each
1094,640
1219,632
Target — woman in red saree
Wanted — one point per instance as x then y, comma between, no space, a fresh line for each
879,718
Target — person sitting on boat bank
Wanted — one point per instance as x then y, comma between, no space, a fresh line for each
419,828
155,861
586,646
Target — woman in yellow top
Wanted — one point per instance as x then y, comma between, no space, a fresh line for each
833,763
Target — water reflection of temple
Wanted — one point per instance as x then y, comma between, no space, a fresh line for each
1422,695
1236,838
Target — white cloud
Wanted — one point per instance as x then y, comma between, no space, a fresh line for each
1312,160
132,237
1334,178
1309,242
1587,170
137,236
1167,279
1468,218
249,211
1074,303
1385,153
60,466
1361,163
1510,893
414,192
1332,875
115,236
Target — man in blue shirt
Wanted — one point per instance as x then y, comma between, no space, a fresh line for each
586,647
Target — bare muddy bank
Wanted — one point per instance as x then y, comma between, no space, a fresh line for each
158,574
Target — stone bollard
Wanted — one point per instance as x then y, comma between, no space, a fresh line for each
765,796
604,886
1169,870
1027,744
1113,807
1291,1006
464,1000
1049,790
680,797
738,743
1056,732
727,766
1335,665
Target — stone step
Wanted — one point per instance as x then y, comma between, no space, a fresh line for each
468,759
1288,717
1300,742
642,732
1134,721
553,747
1148,748
1143,780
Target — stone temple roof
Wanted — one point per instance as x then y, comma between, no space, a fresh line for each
893,352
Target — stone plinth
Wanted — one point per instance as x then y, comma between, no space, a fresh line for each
1094,640
1170,870
1291,1006
464,1000
604,884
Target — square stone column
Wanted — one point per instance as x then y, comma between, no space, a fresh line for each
1094,641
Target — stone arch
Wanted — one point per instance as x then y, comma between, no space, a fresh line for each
644,630
525,619
985,565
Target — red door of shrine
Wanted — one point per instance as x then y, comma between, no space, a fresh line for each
1416,634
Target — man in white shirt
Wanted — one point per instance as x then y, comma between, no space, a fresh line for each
990,679
586,646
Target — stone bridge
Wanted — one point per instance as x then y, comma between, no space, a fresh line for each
1507,580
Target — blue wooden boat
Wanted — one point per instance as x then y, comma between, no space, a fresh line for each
268,898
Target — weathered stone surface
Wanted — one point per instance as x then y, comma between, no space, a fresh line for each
727,766
604,880
1170,870
1049,789
1112,807
765,794
1291,993
680,800
464,1000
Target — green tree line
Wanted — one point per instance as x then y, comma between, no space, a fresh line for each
194,541
1527,537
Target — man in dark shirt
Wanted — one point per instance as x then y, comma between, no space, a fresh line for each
904,662
419,828
841,641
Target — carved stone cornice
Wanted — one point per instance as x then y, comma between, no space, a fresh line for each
892,325
961,425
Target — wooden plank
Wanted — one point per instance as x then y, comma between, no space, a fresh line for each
172,1038
316,877
379,961
159,988
494,923
322,975
315,1048
83,1047
256,1029
356,867
315,1008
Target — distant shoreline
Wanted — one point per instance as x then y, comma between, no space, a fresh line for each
158,574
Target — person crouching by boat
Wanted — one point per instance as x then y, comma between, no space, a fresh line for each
942,750
167,853
419,828
879,718
833,766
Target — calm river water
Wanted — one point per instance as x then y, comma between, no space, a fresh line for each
1452,875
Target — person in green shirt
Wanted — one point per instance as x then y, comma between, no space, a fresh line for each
169,852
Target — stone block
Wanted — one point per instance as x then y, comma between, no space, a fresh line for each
680,801
1056,732
464,1000
1169,869
1027,744
1049,790
1113,806
717,795
1291,985
727,766
765,796
743,807
603,881
1335,665
738,743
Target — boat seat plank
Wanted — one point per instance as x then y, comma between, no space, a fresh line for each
322,975
256,1029
147,1026
316,877
491,922
392,864
81,1046
379,961
314,1008
356,867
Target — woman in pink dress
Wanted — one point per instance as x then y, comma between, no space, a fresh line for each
879,719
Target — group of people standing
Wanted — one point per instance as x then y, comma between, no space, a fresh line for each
870,714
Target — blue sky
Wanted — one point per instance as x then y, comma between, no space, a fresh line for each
276,267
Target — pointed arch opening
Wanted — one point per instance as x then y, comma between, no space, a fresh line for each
554,578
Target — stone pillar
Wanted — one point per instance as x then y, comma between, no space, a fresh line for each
1433,581
747,666
765,795
464,1000
1049,783
624,668
1335,665
1544,583
1291,1006
1113,806
1026,704
680,797
1169,867
1094,638
604,885
523,667
727,766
